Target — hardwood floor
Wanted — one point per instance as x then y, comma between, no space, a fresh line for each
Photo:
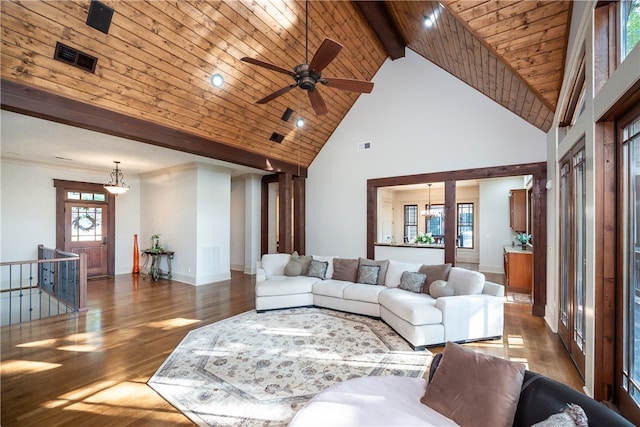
92,368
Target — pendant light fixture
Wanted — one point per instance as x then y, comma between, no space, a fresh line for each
116,185
430,212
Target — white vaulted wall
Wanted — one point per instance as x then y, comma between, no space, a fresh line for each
418,119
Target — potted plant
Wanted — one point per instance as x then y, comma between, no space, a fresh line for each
523,238
423,239
155,244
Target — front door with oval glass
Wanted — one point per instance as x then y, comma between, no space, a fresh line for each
86,232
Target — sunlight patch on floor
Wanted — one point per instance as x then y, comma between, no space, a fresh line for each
41,343
16,367
178,322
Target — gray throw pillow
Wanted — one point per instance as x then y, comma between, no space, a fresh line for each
440,288
384,265
412,281
318,269
368,274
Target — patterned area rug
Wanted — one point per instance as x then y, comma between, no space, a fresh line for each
258,369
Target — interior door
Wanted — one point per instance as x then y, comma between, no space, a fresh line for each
86,231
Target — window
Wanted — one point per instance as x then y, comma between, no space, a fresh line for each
630,195
629,26
435,224
410,222
77,195
465,225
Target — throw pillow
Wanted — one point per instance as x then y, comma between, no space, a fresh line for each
318,269
368,274
304,261
345,269
412,281
440,288
293,268
434,272
395,270
384,265
475,389
572,416
466,282
329,260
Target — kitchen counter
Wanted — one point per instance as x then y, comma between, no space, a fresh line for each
518,249
423,254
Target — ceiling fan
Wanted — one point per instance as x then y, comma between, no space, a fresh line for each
308,75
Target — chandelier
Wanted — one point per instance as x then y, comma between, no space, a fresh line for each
116,185
430,212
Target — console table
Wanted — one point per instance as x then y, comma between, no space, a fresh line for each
154,269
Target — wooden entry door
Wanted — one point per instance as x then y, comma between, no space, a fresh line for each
86,231
85,223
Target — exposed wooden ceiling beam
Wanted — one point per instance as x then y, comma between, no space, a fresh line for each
38,103
383,25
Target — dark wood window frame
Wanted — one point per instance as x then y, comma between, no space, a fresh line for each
473,228
407,235
539,213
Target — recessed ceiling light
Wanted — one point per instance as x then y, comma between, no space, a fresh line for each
300,122
217,80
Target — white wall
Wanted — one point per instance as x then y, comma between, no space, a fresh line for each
190,207
237,224
494,221
419,119
29,211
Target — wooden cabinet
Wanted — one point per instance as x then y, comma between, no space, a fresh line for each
518,210
518,270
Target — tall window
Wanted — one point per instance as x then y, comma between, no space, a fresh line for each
571,327
630,25
630,194
465,225
435,224
410,222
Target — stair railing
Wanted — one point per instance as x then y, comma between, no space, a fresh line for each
54,284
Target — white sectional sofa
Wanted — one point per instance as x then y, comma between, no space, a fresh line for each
462,307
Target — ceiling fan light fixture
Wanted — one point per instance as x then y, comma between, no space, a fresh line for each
217,80
116,185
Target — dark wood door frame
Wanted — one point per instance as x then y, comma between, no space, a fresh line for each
62,187
291,189
539,213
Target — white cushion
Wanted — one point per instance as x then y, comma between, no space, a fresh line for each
330,288
362,292
371,401
284,285
274,264
395,270
466,282
328,259
417,309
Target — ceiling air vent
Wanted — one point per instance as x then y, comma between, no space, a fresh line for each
74,57
276,137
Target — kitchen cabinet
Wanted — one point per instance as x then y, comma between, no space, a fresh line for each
518,210
518,269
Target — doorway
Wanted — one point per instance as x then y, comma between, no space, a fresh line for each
85,223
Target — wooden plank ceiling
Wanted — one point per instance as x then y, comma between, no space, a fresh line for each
155,63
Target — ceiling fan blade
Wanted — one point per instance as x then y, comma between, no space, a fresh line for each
266,65
275,94
325,54
352,85
317,103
